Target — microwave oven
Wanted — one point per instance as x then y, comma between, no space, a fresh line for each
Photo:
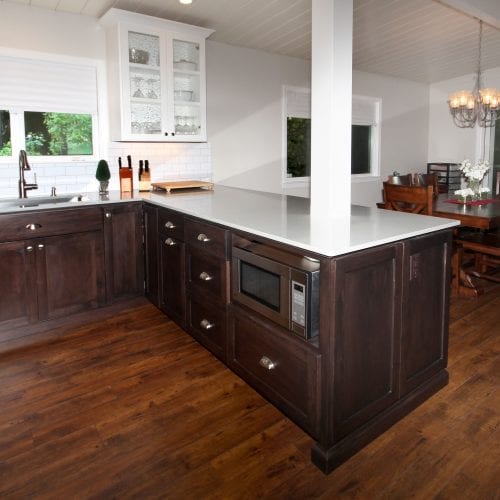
280,285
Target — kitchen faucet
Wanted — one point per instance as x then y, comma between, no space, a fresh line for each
23,166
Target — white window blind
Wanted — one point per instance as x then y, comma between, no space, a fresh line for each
35,85
364,110
298,103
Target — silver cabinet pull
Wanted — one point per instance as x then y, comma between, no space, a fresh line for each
205,276
32,226
267,363
107,215
203,238
170,242
170,225
206,325
29,248
41,246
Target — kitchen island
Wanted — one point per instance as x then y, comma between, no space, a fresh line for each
377,346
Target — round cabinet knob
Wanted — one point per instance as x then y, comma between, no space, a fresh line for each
41,246
203,238
33,226
170,242
29,248
170,225
206,325
108,215
205,276
267,363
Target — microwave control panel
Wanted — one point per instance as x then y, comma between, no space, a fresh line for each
299,303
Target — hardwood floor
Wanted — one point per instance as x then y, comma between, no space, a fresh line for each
129,406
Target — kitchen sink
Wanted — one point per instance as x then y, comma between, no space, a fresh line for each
38,201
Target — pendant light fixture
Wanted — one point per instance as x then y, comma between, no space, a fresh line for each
481,105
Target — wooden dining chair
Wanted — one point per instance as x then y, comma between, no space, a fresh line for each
483,252
404,180
413,199
427,180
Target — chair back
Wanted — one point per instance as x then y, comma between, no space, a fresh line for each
413,199
427,180
497,188
402,180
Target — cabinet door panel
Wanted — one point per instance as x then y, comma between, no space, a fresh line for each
425,318
124,262
172,272
70,273
17,285
151,268
367,333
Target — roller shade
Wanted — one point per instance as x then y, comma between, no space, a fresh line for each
298,103
35,85
364,111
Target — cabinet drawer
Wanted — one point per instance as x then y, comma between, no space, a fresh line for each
49,223
208,275
207,323
171,223
206,237
278,365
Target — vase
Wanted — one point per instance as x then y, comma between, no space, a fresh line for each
103,187
475,186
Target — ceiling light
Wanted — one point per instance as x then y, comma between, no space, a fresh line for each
186,2
481,105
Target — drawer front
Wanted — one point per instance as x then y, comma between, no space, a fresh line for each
49,223
278,366
208,324
208,275
171,223
206,237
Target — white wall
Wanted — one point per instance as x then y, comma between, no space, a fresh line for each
244,89
244,113
404,135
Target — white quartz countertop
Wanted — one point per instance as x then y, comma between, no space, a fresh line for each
286,219
278,217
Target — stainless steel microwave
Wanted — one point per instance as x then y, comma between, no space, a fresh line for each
280,285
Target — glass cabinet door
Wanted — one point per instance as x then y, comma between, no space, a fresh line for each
187,88
146,85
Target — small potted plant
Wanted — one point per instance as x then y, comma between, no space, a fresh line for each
103,174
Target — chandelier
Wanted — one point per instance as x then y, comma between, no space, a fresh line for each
482,105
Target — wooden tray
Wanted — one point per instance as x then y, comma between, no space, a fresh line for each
172,185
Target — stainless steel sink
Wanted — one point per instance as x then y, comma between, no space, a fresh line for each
38,201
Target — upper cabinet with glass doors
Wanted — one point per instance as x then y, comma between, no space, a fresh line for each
156,78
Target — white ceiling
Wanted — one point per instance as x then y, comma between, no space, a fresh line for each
421,40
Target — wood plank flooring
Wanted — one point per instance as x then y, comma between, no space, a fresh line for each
129,406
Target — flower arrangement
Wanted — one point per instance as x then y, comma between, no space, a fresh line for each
474,175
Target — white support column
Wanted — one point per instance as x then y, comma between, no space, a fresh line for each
331,108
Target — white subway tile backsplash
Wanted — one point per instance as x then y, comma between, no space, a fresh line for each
168,161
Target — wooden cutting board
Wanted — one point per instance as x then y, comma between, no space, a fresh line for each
169,186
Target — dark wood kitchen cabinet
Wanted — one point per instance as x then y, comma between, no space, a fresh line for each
207,278
151,260
172,265
48,269
123,242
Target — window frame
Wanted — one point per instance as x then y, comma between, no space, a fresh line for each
375,139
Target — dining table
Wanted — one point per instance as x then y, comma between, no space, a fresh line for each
481,215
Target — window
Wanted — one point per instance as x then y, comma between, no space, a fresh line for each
297,150
58,134
47,108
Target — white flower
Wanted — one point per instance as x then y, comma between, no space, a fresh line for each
464,192
474,172
484,190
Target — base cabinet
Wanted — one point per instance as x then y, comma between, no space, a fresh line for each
284,369
151,260
123,243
